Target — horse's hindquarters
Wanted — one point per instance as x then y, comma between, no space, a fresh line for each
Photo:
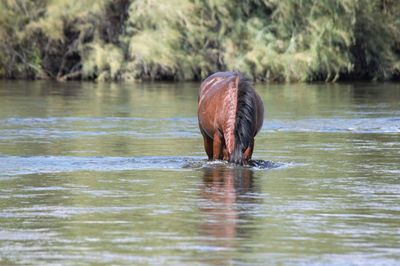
217,106
230,114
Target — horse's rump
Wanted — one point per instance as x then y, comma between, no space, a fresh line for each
229,105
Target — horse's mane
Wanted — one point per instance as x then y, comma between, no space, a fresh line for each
245,119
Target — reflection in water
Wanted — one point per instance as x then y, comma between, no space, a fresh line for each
226,205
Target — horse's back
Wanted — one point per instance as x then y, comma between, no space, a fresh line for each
217,87
218,94
216,81
217,102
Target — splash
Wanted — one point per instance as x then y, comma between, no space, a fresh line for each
19,165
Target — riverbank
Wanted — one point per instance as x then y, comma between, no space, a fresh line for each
274,41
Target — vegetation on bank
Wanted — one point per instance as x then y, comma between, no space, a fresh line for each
269,40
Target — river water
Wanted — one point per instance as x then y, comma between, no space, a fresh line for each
116,174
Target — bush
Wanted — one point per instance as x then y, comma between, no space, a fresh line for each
269,40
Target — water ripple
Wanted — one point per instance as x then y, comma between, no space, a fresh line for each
176,127
60,127
18,165
336,125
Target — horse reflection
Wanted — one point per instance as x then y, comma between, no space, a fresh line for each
224,192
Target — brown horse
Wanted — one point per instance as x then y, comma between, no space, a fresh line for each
230,114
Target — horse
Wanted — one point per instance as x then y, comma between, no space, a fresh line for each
230,114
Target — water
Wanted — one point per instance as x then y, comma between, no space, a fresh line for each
116,174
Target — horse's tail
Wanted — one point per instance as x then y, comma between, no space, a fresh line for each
244,120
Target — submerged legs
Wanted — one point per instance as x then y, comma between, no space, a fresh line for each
208,144
216,149
217,146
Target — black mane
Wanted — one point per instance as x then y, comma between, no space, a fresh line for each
245,119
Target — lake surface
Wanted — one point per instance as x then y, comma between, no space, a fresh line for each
116,174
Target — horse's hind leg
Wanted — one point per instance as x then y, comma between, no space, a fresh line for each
217,146
225,153
248,152
208,145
